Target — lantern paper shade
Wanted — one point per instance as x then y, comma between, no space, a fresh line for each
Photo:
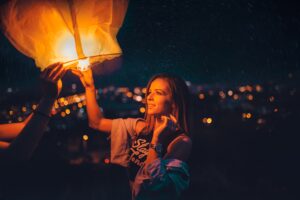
52,31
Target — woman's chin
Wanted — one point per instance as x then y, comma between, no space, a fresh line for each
150,113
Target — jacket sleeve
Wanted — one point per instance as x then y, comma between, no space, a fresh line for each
161,179
122,133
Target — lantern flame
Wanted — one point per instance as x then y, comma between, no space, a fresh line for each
83,64
65,48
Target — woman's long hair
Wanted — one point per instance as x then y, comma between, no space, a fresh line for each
181,98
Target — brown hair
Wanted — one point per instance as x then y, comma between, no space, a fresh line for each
181,98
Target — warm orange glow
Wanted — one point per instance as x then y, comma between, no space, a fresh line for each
235,96
201,96
34,106
85,137
242,89
63,114
129,94
258,88
61,31
67,111
209,120
137,90
144,90
65,48
24,109
142,109
247,115
250,97
222,94
230,93
272,98
53,112
249,88
137,98
61,100
76,98
106,161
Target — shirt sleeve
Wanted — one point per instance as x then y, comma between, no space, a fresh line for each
161,179
122,133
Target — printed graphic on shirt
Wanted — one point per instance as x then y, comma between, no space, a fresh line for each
139,151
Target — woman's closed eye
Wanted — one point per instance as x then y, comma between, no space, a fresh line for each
160,92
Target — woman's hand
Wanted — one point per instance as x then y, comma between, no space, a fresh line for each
86,78
164,126
51,80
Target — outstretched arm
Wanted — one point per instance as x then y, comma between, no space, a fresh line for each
96,119
11,131
32,129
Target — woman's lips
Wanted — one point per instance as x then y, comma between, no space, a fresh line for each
151,105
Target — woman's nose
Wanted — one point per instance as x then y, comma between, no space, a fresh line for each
150,96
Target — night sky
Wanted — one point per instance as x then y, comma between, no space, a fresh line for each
205,41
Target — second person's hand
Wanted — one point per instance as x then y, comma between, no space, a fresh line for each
51,80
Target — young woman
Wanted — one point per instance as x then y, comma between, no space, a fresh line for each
18,140
153,149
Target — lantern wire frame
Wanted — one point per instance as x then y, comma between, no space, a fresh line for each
74,64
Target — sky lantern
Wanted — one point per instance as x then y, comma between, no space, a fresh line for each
75,32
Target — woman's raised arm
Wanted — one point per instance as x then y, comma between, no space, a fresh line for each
96,119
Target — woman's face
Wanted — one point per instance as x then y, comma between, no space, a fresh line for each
159,99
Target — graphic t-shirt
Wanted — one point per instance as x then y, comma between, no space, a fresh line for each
138,154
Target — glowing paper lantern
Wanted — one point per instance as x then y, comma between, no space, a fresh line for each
52,31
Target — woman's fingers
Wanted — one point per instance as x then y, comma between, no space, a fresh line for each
173,118
169,122
165,120
59,74
47,73
177,127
